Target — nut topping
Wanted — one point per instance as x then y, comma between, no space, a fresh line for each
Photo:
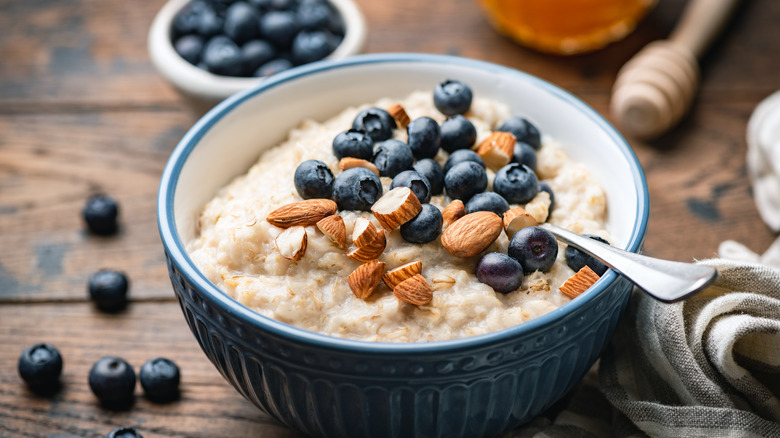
350,162
291,243
414,290
579,282
399,114
453,212
517,218
303,213
364,280
471,234
364,232
333,227
370,250
396,207
401,273
497,149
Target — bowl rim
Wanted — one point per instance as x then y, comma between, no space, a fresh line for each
195,81
175,247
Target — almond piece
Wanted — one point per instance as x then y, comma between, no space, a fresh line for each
414,290
304,213
579,282
497,149
399,114
350,162
453,212
401,273
396,207
471,234
364,280
364,232
333,227
517,218
291,243
370,251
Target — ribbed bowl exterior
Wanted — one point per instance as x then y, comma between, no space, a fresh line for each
463,392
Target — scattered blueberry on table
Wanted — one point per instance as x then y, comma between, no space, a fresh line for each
108,289
100,214
255,38
160,379
112,380
124,432
40,366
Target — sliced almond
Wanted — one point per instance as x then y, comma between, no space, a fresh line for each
401,273
396,207
497,149
370,251
453,212
303,213
414,290
399,114
350,162
291,243
363,232
364,280
579,282
333,227
471,234
516,219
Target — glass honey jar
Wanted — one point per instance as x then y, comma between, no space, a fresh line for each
566,27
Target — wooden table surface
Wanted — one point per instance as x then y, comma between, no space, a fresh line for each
83,111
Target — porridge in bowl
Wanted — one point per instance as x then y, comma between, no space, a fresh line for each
405,220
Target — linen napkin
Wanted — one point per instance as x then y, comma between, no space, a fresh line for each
705,367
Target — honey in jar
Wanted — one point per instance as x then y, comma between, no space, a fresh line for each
566,27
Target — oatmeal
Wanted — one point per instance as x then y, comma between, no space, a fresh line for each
237,248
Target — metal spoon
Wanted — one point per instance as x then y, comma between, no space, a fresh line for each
663,279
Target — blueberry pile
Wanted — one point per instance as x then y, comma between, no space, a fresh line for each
255,38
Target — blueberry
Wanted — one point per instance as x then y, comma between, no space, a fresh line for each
281,5
524,154
353,143
356,189
100,213
465,180
124,432
577,259
279,27
487,201
535,248
190,48
256,53
310,46
187,19
108,289
523,130
375,122
431,170
544,187
424,227
415,181
273,67
241,22
517,183
424,137
499,271
209,24
392,157
457,133
160,379
452,97
460,156
223,57
112,380
40,366
314,14
313,179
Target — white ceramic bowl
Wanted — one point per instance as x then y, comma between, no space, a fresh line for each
326,386
210,88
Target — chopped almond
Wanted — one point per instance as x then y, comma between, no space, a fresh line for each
351,162
516,219
401,273
333,227
414,290
364,280
291,243
497,149
579,282
396,207
370,251
364,232
454,211
399,114
303,213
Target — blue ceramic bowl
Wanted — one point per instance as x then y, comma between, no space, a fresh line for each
325,386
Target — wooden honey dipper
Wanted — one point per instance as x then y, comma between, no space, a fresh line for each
655,88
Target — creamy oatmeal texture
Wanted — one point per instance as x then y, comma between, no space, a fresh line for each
235,247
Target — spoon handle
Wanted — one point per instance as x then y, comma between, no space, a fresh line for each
663,279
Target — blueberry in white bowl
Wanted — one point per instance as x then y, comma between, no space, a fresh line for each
433,172
517,183
457,133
